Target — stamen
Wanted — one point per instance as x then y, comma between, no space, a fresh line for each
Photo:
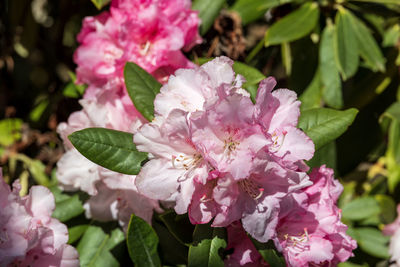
251,188
145,49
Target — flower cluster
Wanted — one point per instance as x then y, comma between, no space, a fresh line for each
393,230
150,33
28,234
222,158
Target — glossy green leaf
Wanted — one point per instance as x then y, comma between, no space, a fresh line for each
208,12
76,232
393,112
207,243
346,45
95,245
372,241
251,10
325,155
367,46
330,78
324,125
361,208
142,243
111,149
100,3
68,208
10,131
294,26
142,89
251,74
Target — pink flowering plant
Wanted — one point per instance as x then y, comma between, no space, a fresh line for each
173,159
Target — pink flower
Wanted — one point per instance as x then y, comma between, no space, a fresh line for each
28,234
243,252
219,156
393,230
149,33
309,230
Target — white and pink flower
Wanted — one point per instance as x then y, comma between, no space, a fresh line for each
28,233
220,157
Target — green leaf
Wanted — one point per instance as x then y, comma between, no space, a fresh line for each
95,245
251,74
395,2
142,243
360,208
372,241
207,243
367,46
286,57
100,3
142,89
10,131
388,208
269,253
392,36
393,112
294,26
251,10
346,45
208,11
330,78
76,232
179,226
312,95
72,89
68,208
111,149
324,125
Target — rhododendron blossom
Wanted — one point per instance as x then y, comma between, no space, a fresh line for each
218,155
150,33
309,231
393,230
28,234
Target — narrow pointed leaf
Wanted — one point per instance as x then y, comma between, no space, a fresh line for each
108,148
332,85
142,243
142,89
346,45
367,46
324,125
294,26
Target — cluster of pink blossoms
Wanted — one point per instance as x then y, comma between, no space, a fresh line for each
393,230
150,33
221,158
28,234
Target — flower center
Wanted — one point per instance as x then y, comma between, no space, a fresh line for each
251,188
187,163
230,146
277,140
298,243
145,48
